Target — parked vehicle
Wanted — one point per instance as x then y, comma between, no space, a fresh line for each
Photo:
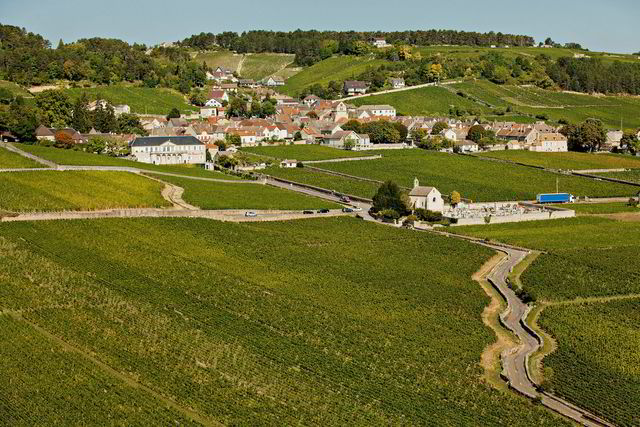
325,210
555,198
307,212
347,210
250,214
345,199
356,209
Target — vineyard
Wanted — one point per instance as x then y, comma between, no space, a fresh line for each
331,182
598,367
77,190
631,176
215,195
474,178
80,158
600,208
303,152
322,322
567,161
11,160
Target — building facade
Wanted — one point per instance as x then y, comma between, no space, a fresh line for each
169,150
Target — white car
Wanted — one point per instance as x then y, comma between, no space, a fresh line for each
250,214
356,209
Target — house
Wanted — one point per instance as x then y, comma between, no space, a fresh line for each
379,42
208,112
355,87
450,134
213,103
274,81
428,198
613,138
378,110
250,83
169,150
397,83
310,100
45,133
288,163
467,146
347,139
121,109
220,95
248,138
339,111
550,142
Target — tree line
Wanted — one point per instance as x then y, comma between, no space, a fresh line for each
593,75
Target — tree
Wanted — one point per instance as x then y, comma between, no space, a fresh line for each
352,125
237,108
63,139
256,108
81,120
268,109
630,142
476,133
455,198
232,139
402,130
5,96
56,108
174,113
418,135
349,144
129,123
19,119
297,136
390,196
104,119
439,127
198,97
587,136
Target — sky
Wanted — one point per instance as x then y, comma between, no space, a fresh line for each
599,25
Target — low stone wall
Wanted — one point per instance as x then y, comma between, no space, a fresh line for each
318,189
536,216
343,159
599,170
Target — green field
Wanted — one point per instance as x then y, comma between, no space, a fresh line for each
631,176
80,158
338,68
475,179
426,101
303,152
597,362
316,322
142,100
15,89
600,208
44,383
11,160
567,161
219,58
77,190
586,256
214,195
257,66
323,180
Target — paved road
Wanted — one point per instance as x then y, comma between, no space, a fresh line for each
348,98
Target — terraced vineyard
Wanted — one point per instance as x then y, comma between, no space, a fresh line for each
80,158
142,100
77,190
597,362
11,160
304,152
330,182
568,161
474,178
325,322
214,195
631,176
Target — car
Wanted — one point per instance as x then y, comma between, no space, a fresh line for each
325,210
307,212
250,214
345,199
347,210
356,209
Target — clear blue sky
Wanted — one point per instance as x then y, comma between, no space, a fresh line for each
600,25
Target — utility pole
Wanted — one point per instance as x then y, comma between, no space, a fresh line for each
557,185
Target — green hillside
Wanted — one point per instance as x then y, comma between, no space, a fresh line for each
260,65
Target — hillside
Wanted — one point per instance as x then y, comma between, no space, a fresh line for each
251,66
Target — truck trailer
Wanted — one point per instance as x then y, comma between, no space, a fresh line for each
555,198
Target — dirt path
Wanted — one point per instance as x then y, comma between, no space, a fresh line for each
173,194
348,98
130,381
240,64
23,153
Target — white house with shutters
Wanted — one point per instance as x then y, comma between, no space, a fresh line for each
169,150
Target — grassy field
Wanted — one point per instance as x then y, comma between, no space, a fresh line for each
303,152
11,160
586,256
568,161
219,58
77,190
142,100
337,68
599,367
260,65
631,176
475,179
80,158
213,195
330,182
15,89
599,208
424,101
316,322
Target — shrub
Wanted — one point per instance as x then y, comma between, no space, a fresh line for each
427,215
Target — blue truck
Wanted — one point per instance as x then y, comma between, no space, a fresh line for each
555,198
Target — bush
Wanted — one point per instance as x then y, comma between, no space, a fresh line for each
428,216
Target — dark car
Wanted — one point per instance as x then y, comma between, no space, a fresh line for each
307,212
325,210
347,210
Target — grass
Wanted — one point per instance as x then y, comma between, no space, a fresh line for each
77,190
214,195
425,101
631,176
568,161
321,322
597,367
338,68
15,89
219,58
43,383
599,208
586,256
474,178
303,152
11,160
142,100
80,158
330,182
257,66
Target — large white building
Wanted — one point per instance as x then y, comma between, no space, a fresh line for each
378,110
168,150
